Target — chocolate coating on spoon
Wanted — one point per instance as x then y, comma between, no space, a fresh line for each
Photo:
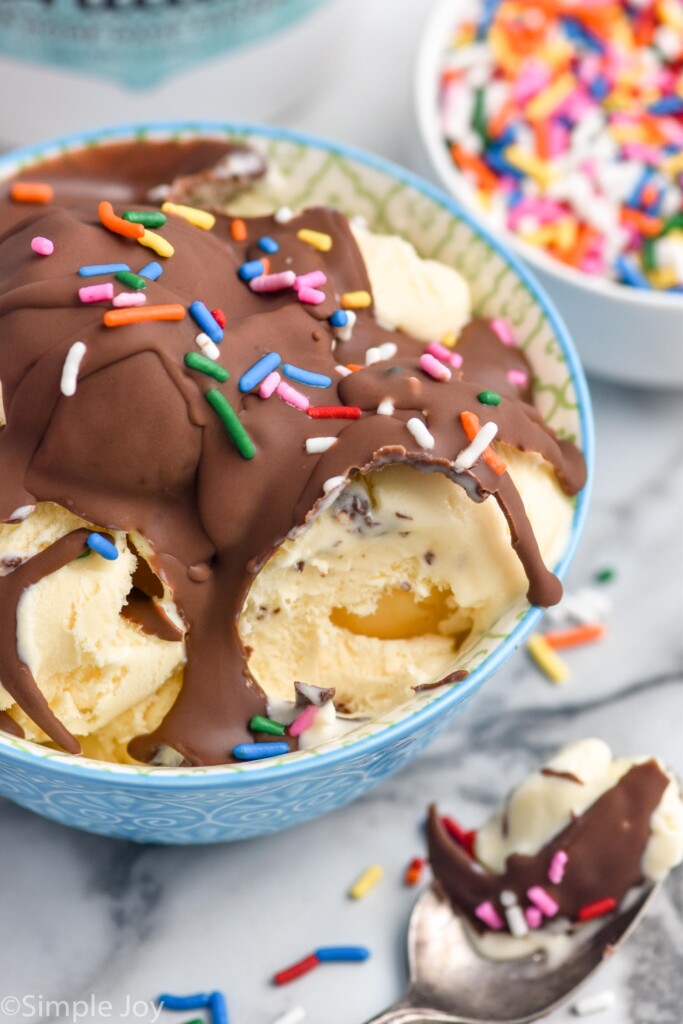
605,847
139,449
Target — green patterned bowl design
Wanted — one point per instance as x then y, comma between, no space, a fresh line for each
235,801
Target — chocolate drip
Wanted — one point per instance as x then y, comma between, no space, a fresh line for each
8,725
605,847
138,448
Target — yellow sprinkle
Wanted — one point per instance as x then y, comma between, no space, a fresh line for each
628,132
663,277
449,339
366,882
547,659
673,165
200,218
161,246
356,300
566,233
671,14
542,105
318,239
530,164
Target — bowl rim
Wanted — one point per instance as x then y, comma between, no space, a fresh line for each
425,77
305,762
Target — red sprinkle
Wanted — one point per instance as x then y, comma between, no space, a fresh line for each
414,871
219,317
296,970
463,837
597,909
334,412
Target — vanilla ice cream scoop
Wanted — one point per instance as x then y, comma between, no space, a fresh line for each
276,481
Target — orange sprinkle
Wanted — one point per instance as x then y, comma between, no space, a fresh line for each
643,222
501,119
471,426
471,162
143,314
413,872
587,634
31,192
354,366
266,264
649,195
118,225
238,230
577,254
542,139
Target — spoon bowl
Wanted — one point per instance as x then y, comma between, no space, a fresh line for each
451,983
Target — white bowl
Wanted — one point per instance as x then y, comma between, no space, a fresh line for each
622,333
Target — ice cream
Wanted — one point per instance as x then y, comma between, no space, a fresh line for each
319,517
567,846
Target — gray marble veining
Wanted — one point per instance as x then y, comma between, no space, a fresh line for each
84,918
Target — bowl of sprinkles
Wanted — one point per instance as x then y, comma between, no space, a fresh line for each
146,274
561,123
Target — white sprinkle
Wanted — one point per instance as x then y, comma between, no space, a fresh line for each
208,347
72,365
125,299
385,407
343,370
468,456
594,1004
295,1016
344,333
317,445
514,915
21,513
283,215
419,431
333,483
508,898
388,349
167,757
159,193
377,355
372,355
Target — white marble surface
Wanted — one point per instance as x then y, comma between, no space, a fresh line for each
84,918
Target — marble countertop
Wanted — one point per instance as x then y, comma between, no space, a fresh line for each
85,918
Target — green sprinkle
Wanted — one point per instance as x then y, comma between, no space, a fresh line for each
649,261
672,224
148,219
231,422
83,554
605,575
489,397
479,116
127,277
196,361
261,724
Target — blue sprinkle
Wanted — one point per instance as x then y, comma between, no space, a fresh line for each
250,270
500,165
314,380
102,545
102,268
193,1002
630,274
219,1009
634,198
208,323
339,318
257,751
268,245
152,271
667,105
342,954
599,87
259,371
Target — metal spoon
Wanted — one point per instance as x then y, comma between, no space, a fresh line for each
450,983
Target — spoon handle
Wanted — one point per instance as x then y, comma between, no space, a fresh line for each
408,1015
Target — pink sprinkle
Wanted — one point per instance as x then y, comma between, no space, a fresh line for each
559,139
304,721
96,292
534,77
291,396
269,384
343,370
503,330
540,898
129,299
43,246
517,377
314,279
434,367
533,917
557,867
273,282
487,913
439,351
311,296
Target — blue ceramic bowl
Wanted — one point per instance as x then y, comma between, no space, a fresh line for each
201,805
